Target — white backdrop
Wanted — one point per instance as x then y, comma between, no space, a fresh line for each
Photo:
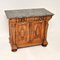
51,52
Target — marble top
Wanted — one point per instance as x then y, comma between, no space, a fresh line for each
27,13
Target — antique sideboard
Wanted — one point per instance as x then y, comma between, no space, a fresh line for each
28,27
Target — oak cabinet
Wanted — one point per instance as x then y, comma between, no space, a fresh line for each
28,27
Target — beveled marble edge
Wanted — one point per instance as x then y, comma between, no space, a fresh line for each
27,13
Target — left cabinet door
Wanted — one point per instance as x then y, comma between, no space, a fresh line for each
22,33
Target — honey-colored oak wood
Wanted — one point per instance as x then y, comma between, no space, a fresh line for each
28,31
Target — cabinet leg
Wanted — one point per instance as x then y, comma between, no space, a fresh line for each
14,48
45,43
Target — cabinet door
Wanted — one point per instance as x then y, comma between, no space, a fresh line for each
22,33
35,33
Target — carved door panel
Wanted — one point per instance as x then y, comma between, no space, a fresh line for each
35,34
22,33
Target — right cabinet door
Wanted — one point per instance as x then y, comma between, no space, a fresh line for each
35,32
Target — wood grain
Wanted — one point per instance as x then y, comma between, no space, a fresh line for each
28,31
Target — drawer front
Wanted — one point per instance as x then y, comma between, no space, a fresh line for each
31,19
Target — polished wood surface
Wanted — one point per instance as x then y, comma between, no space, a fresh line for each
28,31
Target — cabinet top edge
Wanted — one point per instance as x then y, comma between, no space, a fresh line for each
27,13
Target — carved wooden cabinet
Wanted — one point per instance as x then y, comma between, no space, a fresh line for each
28,27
